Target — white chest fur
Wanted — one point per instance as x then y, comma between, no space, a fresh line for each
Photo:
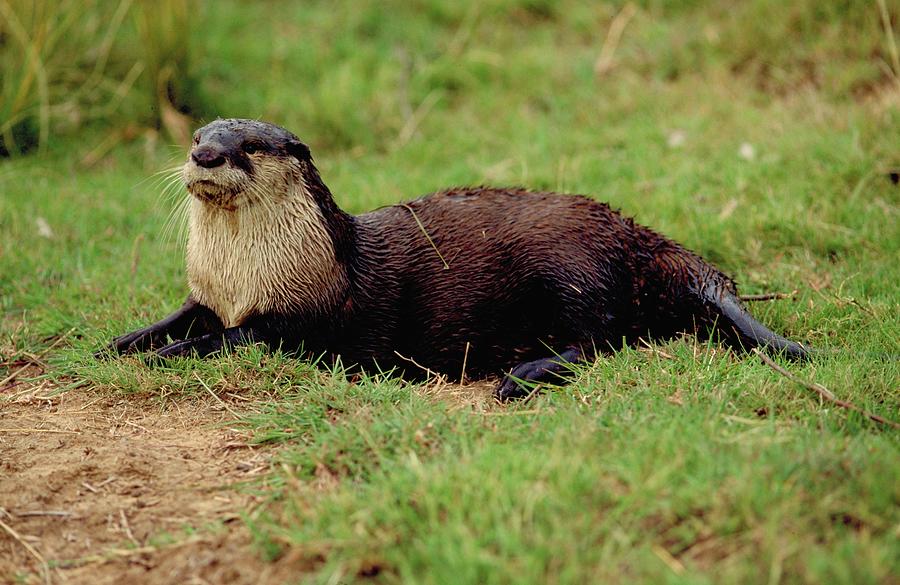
261,258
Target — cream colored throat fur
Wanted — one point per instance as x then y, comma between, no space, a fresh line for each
271,255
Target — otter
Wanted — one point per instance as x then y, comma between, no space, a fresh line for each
474,282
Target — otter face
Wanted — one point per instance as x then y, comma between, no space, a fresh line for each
234,162
258,223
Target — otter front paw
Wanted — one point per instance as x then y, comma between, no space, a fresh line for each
199,346
140,340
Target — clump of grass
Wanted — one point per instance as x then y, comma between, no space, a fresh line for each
29,33
69,63
163,28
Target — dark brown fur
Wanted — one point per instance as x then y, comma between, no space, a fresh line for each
528,281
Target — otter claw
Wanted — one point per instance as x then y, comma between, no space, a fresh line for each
523,378
177,349
199,346
512,388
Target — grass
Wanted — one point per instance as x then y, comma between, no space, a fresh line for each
67,64
682,465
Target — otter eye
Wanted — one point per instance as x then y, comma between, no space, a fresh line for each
252,147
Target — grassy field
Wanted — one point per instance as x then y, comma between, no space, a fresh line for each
762,136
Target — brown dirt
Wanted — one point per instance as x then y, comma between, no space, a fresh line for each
111,489
98,488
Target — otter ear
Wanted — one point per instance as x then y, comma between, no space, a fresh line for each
299,150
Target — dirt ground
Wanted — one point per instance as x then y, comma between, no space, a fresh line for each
98,489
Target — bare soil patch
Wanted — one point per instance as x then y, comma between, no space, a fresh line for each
106,489
97,488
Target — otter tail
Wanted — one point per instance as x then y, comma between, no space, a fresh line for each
741,330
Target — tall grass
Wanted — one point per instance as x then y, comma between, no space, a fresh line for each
64,64
163,28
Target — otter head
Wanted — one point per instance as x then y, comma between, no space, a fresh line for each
234,163
264,233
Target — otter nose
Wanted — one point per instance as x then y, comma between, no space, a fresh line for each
207,156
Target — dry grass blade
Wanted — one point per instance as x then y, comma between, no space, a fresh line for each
509,412
26,431
769,296
425,232
462,376
127,528
425,369
34,513
213,394
412,123
823,392
12,376
670,561
605,61
106,145
892,44
45,568
120,553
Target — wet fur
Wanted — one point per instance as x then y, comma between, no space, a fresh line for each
506,279
529,274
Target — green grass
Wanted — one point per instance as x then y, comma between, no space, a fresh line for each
74,62
700,467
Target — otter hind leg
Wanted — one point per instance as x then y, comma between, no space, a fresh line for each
518,382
